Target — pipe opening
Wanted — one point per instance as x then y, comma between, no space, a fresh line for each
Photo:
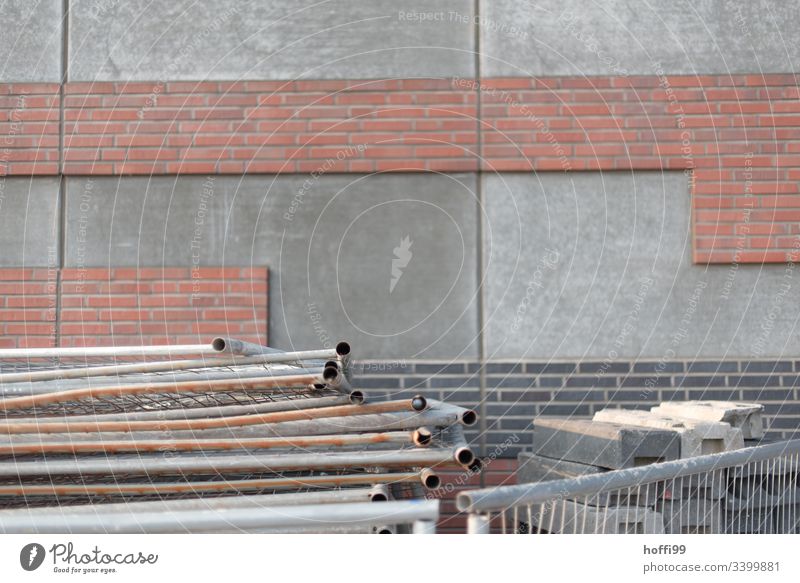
343,348
419,403
379,497
330,374
464,456
218,344
463,502
469,417
423,437
357,397
476,466
430,480
318,386
332,364
384,530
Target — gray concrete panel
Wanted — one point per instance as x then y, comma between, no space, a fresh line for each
334,245
619,37
28,222
30,41
278,39
599,265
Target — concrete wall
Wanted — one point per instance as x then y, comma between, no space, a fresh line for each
30,44
330,245
598,265
618,37
281,39
29,229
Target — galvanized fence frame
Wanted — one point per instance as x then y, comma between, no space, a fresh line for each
752,490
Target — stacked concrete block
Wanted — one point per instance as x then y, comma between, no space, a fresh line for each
755,498
572,517
697,437
744,416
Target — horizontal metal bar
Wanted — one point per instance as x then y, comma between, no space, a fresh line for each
438,415
95,351
229,463
314,515
13,427
158,387
162,366
213,487
501,497
171,445
12,518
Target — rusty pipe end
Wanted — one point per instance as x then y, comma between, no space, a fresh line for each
464,456
422,437
419,403
469,418
430,479
343,349
357,397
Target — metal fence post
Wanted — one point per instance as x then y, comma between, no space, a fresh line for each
478,524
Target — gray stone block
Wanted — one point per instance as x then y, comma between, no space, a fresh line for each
280,39
691,516
569,517
744,416
697,437
29,227
30,44
331,245
625,37
608,445
598,265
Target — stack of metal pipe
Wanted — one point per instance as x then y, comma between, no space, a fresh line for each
104,426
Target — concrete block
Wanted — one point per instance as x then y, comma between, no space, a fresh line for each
624,37
620,240
30,44
691,516
569,517
608,445
279,39
29,226
697,437
745,416
333,246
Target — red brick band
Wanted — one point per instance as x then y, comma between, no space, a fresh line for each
96,307
737,137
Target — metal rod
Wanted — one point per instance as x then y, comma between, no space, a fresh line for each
95,351
214,423
221,464
234,346
162,366
8,517
287,404
315,515
500,497
438,415
167,445
215,487
145,388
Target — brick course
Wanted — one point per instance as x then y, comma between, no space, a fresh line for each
737,137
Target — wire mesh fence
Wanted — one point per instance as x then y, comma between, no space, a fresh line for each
748,491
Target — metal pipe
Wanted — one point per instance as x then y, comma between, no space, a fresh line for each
161,366
430,479
214,423
335,378
463,454
287,404
145,388
350,514
500,497
229,463
234,346
9,516
379,493
97,351
439,415
214,487
422,437
167,445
